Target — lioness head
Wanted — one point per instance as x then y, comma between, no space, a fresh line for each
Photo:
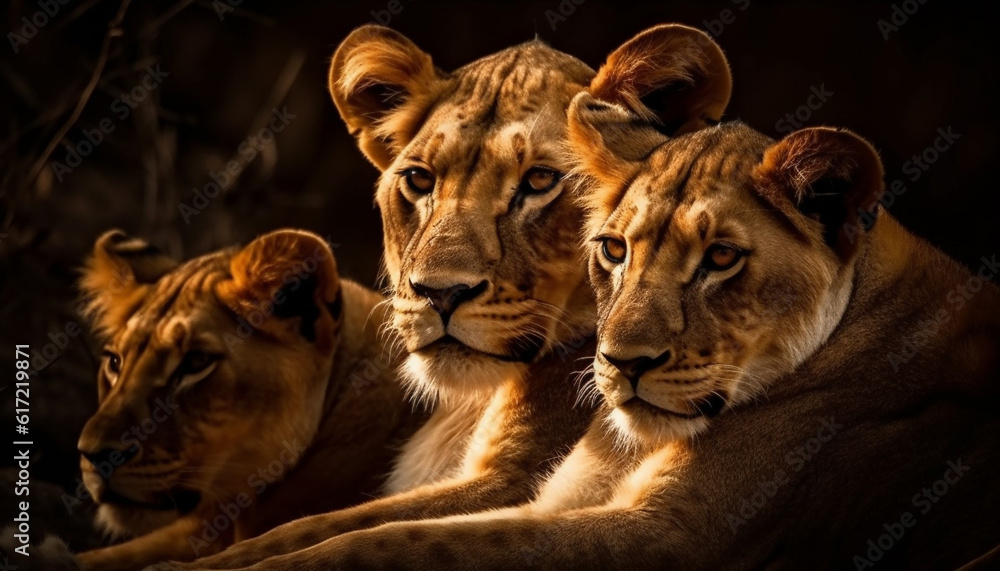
721,259
211,370
481,235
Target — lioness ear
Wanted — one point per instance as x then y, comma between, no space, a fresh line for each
116,274
608,141
671,74
830,176
287,277
381,82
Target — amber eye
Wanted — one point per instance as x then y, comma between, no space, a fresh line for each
614,250
419,180
538,180
721,257
114,362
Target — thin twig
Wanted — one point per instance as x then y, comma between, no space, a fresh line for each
114,30
240,12
75,14
54,111
281,87
173,11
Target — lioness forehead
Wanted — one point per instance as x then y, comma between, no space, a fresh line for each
173,307
515,82
506,106
689,181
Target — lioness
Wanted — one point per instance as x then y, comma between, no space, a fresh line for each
238,390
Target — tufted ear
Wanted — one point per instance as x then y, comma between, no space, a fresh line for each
381,82
117,275
670,74
824,176
286,277
608,141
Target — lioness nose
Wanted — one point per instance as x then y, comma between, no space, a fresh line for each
634,367
107,459
446,300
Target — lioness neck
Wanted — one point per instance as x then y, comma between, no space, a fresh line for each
363,393
931,315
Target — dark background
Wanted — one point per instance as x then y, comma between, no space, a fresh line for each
226,74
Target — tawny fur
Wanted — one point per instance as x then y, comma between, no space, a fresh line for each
830,438
271,394
500,371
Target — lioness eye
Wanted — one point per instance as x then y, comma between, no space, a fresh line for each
614,250
419,180
114,362
538,180
195,362
195,366
720,257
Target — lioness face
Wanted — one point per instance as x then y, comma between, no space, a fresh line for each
481,235
203,381
481,231
706,292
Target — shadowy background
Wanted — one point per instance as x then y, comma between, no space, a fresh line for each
225,70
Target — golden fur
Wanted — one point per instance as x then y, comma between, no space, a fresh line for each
825,437
457,151
238,361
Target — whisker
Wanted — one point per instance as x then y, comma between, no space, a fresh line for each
376,307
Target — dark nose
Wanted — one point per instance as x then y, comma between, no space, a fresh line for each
633,368
446,300
106,460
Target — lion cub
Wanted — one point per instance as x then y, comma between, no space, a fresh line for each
238,390
727,264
